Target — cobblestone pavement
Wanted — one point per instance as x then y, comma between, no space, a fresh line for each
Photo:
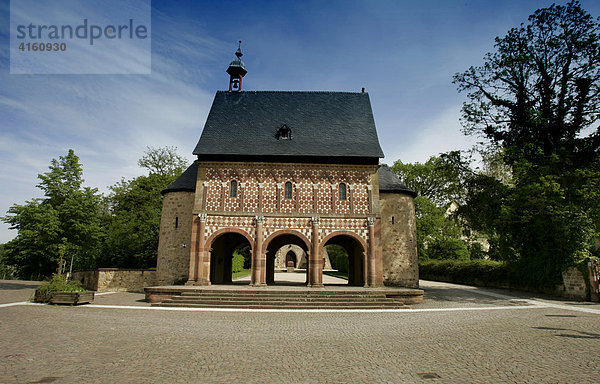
458,335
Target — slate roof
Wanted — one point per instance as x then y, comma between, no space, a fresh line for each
323,124
186,182
390,182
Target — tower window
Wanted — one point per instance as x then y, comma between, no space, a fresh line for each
342,191
176,222
288,190
233,188
392,220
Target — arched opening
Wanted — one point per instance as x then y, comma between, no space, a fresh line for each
290,259
229,253
293,243
347,254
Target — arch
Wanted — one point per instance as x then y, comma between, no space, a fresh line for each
344,233
290,256
223,231
285,232
356,250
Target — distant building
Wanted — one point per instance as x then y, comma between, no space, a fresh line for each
279,169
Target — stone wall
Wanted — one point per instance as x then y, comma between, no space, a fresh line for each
116,280
574,286
399,240
175,236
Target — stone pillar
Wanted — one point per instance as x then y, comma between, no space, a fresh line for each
315,263
197,251
365,268
370,198
204,193
315,197
279,189
333,187
259,262
350,200
203,260
372,265
242,188
260,197
223,195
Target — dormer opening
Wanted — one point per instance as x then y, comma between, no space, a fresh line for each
284,133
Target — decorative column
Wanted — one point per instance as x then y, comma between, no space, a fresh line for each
350,198
223,195
315,262
260,196
242,188
279,189
259,262
204,193
333,186
315,197
370,197
372,272
203,264
297,194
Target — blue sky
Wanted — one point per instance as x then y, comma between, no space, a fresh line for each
403,52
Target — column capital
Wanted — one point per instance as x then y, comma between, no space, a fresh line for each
333,187
315,186
202,217
224,183
315,220
259,219
261,185
370,221
369,187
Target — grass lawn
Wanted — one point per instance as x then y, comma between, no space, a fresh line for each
341,275
242,273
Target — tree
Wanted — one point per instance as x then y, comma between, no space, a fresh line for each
163,161
435,179
537,98
68,211
135,207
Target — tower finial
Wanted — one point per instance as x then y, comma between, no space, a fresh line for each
239,53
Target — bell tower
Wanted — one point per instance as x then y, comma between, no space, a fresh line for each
236,70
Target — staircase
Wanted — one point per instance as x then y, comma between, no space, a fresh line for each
291,299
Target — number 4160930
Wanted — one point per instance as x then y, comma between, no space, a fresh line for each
41,47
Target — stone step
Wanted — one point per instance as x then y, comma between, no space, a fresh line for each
280,298
326,295
283,302
275,306
284,293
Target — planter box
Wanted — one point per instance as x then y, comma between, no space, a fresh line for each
72,298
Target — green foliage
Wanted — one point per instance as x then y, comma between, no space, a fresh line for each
237,263
135,207
435,179
163,161
7,270
338,257
58,283
473,272
447,249
67,211
476,251
537,99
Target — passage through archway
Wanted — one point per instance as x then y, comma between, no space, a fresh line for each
347,256
228,252
279,241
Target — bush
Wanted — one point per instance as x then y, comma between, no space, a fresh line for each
476,251
58,283
237,264
486,273
448,249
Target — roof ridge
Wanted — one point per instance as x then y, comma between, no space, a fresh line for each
264,91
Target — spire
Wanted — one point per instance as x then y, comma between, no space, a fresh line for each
236,70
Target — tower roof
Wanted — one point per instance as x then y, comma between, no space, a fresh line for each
390,182
237,66
322,125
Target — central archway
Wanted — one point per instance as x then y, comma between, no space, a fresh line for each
275,242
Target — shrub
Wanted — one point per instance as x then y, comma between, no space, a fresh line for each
237,264
476,251
474,272
448,249
58,283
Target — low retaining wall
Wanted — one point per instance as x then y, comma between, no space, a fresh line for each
574,286
116,279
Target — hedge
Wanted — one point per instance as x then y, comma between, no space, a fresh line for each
487,273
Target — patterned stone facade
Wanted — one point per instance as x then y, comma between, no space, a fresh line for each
321,204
